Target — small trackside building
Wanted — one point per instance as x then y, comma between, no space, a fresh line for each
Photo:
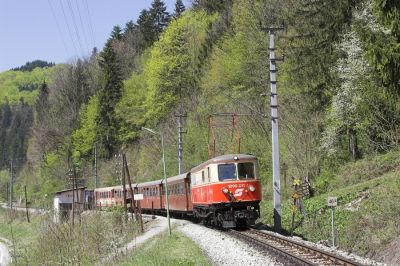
63,199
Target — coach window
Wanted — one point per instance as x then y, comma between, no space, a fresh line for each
202,177
226,171
246,170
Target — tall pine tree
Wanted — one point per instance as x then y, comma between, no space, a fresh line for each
6,116
179,8
116,34
153,21
109,95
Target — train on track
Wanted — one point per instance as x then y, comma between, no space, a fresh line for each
224,191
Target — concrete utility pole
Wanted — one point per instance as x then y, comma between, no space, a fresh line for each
274,121
180,141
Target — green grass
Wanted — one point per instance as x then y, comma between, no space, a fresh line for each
369,229
21,233
39,242
167,250
19,230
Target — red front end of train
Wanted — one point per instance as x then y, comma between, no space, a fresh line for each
226,191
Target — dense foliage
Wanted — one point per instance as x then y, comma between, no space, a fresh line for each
29,66
338,88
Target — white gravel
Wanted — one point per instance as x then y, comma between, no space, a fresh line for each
223,249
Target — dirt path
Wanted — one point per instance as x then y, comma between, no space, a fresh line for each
5,257
153,227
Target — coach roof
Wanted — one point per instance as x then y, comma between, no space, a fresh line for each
225,159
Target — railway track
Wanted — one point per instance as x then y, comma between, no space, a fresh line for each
290,252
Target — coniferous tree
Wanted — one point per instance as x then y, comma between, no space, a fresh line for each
109,96
179,8
382,46
146,28
6,116
116,33
153,21
317,26
42,101
160,15
212,6
17,137
129,28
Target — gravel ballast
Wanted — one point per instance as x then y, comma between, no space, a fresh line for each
223,249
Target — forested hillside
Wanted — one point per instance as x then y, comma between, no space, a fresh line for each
338,89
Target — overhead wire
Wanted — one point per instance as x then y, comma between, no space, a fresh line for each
90,22
82,26
75,26
59,29
68,28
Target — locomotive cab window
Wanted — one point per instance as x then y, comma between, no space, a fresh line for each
226,171
246,171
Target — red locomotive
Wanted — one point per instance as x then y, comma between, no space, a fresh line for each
223,191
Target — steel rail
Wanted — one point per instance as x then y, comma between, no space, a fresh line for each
299,253
275,250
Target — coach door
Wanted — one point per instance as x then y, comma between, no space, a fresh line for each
209,187
187,191
161,196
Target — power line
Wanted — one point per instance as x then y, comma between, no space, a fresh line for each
90,23
83,27
69,29
75,26
59,29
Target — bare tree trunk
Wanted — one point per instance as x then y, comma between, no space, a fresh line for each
26,206
353,147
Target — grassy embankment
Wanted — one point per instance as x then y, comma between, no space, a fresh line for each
21,233
167,250
42,242
368,212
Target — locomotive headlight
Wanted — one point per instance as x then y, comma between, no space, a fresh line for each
252,188
225,190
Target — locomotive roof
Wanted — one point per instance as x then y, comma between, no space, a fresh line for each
225,159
